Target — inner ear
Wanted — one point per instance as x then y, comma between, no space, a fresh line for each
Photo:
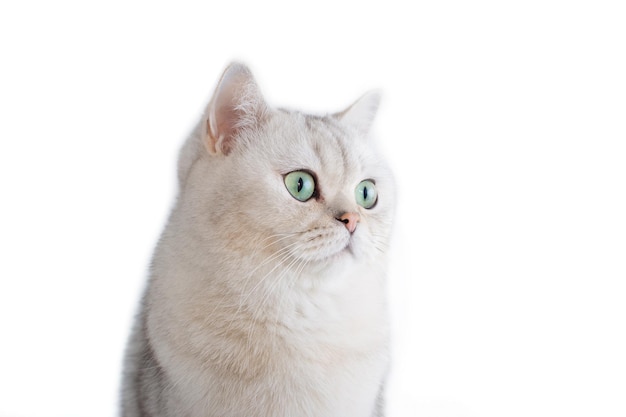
237,104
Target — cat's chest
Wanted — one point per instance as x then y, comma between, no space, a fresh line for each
321,346
345,315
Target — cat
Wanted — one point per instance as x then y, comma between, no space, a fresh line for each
266,294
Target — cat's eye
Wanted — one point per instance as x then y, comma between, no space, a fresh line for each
300,185
366,194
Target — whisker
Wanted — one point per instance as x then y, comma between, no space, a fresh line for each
298,272
275,283
267,293
276,255
283,254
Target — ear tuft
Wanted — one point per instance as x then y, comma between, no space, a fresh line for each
237,104
361,114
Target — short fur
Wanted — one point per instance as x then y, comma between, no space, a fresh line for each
259,304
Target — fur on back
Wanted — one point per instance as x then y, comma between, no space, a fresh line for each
259,304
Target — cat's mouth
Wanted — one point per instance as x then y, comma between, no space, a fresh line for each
325,246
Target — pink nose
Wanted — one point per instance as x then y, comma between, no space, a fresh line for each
350,220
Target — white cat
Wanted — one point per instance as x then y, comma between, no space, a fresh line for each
267,287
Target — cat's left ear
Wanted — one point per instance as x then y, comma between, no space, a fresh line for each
361,114
237,104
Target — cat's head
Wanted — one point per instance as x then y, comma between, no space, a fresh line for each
307,190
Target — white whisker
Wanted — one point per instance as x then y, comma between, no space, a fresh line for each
267,293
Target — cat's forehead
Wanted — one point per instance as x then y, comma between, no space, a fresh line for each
318,143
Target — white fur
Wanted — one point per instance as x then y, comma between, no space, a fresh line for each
259,304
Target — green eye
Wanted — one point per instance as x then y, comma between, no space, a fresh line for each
366,194
300,185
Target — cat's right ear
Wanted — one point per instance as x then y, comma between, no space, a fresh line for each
360,115
237,104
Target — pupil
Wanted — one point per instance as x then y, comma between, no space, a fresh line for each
364,193
300,184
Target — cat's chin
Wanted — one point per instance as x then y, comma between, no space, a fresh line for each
323,245
344,254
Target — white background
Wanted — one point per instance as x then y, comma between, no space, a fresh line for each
505,123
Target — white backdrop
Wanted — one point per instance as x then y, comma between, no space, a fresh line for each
504,121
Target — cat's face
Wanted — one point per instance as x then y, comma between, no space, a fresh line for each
309,191
317,188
